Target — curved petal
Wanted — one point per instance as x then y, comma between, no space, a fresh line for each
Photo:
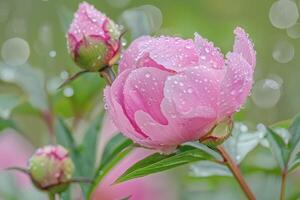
113,99
178,130
236,85
209,55
169,53
194,91
244,46
143,90
190,107
87,21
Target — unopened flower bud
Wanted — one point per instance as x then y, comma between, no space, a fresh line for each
93,39
51,168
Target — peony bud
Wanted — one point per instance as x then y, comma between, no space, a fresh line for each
51,168
93,39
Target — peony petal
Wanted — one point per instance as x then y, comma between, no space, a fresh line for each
244,46
113,100
195,91
178,130
208,54
134,57
153,129
143,90
190,107
169,53
88,21
236,85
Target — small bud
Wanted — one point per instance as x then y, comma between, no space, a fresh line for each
93,39
51,168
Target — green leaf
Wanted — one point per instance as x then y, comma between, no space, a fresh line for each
278,148
209,168
158,162
88,149
102,171
295,162
204,148
295,133
7,123
65,138
116,144
282,124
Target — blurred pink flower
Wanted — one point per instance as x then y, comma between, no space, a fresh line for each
170,90
14,152
158,187
93,39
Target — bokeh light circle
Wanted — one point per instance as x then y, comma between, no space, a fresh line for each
266,93
15,51
294,31
283,52
283,14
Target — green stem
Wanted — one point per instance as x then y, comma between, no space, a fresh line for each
236,173
283,185
51,196
108,74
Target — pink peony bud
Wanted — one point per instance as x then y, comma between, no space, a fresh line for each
170,90
51,168
93,39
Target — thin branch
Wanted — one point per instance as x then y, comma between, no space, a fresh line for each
236,173
283,185
19,169
75,76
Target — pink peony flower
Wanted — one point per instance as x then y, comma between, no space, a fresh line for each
93,39
170,90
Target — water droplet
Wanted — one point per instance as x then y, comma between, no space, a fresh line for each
190,90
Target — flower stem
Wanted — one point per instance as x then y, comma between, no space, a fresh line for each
108,74
51,196
236,173
283,185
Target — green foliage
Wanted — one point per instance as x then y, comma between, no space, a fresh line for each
7,123
115,150
286,154
159,162
83,155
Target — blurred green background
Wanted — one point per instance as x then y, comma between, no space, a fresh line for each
34,61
